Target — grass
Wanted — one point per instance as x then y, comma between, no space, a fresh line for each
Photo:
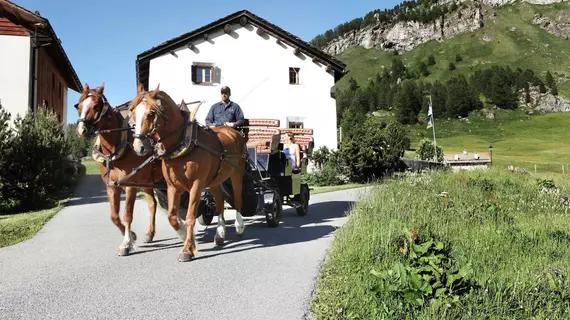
16,228
91,166
317,190
501,223
518,139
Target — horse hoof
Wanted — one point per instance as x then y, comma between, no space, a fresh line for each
124,251
219,241
240,234
184,256
148,239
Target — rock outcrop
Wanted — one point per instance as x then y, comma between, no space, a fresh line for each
404,36
559,27
545,102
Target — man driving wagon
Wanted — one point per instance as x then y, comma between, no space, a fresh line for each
225,112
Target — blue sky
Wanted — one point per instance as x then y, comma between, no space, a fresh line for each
102,38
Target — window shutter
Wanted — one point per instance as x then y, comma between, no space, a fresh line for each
193,74
217,75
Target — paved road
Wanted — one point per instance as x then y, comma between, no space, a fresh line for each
70,269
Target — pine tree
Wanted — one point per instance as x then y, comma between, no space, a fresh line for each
407,104
551,84
424,69
431,60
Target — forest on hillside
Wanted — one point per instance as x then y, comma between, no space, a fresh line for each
404,92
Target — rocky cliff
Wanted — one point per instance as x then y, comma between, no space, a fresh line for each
404,36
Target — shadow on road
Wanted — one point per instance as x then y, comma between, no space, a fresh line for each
292,229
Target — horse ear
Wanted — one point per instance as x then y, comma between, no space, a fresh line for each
154,93
193,113
101,88
140,88
85,87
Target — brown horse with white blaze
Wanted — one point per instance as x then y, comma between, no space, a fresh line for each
193,158
114,142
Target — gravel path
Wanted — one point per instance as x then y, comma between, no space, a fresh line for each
70,269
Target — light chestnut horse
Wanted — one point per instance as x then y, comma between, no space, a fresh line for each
95,114
193,158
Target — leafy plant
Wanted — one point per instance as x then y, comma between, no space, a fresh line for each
426,150
428,276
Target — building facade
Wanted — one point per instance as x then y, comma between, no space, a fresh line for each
272,74
35,70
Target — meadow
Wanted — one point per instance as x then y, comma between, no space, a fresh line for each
470,245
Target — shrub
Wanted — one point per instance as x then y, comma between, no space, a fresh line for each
426,150
37,168
79,147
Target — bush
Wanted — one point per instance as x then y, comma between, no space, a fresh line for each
37,167
79,147
426,150
328,175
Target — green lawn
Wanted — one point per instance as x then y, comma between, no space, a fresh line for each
16,228
508,240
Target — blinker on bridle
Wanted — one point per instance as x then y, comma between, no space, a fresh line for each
90,124
150,134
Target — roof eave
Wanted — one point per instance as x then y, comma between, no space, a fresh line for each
30,18
164,47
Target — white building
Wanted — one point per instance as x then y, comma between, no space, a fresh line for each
34,68
272,73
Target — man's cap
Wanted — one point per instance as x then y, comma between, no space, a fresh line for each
225,89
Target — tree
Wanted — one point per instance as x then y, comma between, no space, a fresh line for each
426,150
439,99
423,69
431,60
461,98
407,103
551,84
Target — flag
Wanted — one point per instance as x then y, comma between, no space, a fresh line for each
430,118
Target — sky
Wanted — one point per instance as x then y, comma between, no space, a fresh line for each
103,38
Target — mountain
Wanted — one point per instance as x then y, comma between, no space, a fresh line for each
520,34
514,55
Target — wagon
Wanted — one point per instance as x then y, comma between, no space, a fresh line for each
269,181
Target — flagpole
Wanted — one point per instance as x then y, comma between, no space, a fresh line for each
433,127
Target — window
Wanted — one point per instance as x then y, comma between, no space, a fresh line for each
293,75
295,124
204,73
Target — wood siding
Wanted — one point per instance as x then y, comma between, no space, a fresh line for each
9,28
51,85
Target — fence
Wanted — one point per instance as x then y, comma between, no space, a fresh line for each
416,165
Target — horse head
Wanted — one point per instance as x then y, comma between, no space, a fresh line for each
92,106
150,111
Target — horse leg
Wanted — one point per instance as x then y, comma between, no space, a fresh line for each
173,207
190,248
114,196
149,195
237,184
129,236
221,229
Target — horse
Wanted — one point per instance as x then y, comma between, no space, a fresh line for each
194,158
114,141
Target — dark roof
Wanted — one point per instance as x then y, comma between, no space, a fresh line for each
143,59
46,34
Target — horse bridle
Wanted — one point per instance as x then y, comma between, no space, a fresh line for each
150,135
91,124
